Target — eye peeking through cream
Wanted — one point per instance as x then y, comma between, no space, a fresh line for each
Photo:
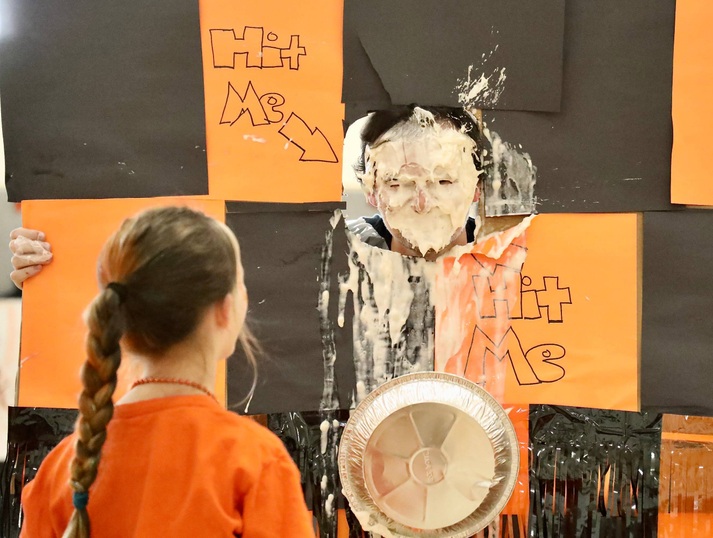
422,177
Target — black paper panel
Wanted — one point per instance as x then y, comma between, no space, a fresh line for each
361,83
32,433
594,473
102,99
677,325
609,148
292,257
420,57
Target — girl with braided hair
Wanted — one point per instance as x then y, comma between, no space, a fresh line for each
167,460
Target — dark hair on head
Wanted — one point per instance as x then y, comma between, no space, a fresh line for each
159,273
380,121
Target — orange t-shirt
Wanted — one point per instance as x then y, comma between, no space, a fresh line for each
182,467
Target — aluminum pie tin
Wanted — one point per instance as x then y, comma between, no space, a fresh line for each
428,455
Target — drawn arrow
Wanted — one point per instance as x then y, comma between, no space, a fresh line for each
312,142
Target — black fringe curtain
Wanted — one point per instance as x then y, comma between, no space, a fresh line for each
32,433
594,473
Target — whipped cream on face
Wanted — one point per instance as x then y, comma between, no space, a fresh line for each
423,179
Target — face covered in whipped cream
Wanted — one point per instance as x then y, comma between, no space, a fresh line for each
421,176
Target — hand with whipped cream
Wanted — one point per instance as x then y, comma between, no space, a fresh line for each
30,253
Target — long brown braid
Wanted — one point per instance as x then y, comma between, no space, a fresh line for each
159,273
106,326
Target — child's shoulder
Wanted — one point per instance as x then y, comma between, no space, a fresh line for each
244,428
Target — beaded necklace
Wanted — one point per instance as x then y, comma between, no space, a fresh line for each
173,381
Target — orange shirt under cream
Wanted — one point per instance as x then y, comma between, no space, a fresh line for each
182,467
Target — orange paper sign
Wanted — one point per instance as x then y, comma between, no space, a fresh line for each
692,106
273,77
53,332
685,496
553,321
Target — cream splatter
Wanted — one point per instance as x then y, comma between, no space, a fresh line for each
329,352
324,429
254,138
509,180
483,85
328,508
491,282
393,314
